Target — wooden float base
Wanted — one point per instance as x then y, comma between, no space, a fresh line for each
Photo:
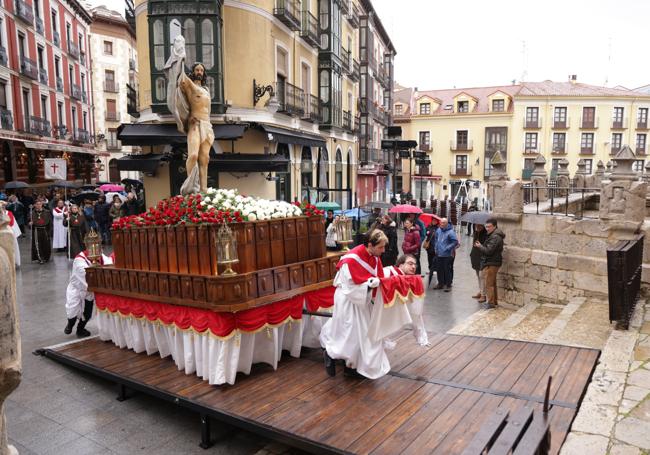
433,401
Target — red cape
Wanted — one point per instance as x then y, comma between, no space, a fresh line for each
358,272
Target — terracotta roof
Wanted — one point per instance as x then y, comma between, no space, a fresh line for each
403,96
550,88
481,94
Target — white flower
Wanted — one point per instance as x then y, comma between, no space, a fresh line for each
252,217
207,200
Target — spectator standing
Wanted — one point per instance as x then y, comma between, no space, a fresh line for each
389,227
429,246
480,234
374,217
18,209
411,242
491,260
115,211
446,244
472,208
131,206
102,218
329,219
89,215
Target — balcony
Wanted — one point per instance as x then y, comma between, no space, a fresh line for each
345,6
73,50
423,169
24,12
28,68
81,135
76,92
6,119
561,124
59,84
287,12
640,151
40,27
619,124
526,174
3,57
56,38
132,101
354,74
312,111
533,124
614,149
346,59
589,150
291,99
42,76
380,114
461,146
642,124
530,149
40,126
82,58
382,76
60,131
113,144
559,149
588,123
112,116
459,171
131,64
310,30
425,147
353,16
110,86
84,97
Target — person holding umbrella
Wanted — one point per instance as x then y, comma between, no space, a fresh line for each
389,228
411,243
475,256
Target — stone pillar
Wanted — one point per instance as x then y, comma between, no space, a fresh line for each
608,170
10,351
507,196
563,179
622,198
599,175
580,177
539,179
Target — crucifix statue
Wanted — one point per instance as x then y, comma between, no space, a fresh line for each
188,99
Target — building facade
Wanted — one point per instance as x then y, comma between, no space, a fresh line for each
461,129
114,71
284,79
45,95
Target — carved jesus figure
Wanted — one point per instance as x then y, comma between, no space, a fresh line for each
188,99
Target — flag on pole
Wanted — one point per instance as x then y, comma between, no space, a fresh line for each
55,169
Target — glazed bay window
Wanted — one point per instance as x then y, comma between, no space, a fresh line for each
200,23
559,142
617,141
640,144
530,143
587,143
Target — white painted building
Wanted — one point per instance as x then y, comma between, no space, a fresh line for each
114,70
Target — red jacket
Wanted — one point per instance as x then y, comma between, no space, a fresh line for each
411,243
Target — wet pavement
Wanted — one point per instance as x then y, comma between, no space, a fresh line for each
59,410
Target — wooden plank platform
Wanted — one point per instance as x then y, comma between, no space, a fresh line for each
433,401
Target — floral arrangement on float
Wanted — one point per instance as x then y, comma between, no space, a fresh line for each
215,206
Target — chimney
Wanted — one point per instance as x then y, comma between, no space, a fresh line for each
573,78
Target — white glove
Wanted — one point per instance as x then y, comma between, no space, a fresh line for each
373,282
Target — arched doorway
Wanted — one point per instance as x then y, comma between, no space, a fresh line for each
113,172
283,179
338,176
323,173
306,173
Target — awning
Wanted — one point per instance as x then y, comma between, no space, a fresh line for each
167,133
250,162
62,148
144,163
288,136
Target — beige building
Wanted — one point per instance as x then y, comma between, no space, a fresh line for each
285,83
114,68
460,130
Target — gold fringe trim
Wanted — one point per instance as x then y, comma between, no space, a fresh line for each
235,333
403,298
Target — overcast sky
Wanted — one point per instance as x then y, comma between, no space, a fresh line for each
469,43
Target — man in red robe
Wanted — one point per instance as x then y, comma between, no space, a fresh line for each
344,336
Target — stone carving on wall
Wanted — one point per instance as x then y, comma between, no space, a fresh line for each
580,178
623,195
563,178
507,196
10,352
539,179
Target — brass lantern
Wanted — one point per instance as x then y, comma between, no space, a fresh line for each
93,243
226,249
344,232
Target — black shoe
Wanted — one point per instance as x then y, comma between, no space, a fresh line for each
81,329
437,287
447,288
352,373
68,328
330,366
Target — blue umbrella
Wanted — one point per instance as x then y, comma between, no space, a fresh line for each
352,213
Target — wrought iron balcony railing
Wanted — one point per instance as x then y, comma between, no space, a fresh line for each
587,150
73,49
84,96
560,149
28,68
40,126
39,26
132,101
460,171
110,86
42,76
291,99
461,146
131,64
56,38
81,135
619,124
59,84
588,123
82,58
533,123
288,13
6,119
561,124
346,59
113,144
347,120
75,92
312,111
112,116
24,12
4,61
642,124
60,131
354,74
310,30
353,16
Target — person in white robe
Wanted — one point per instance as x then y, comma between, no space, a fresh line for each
345,335
79,302
17,233
60,235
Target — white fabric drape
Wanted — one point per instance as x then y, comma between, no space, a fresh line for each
60,232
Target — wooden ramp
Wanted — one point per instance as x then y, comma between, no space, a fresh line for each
434,400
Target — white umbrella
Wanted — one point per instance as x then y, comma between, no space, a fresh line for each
109,196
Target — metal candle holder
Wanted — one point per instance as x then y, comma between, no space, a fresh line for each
344,232
93,243
226,249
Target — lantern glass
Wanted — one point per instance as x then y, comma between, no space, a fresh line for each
226,249
344,232
93,244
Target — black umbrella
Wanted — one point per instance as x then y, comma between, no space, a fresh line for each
476,217
88,187
15,185
132,182
86,195
65,184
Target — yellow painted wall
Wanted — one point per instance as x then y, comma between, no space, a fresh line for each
157,187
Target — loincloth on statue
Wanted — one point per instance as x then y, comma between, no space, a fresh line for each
206,133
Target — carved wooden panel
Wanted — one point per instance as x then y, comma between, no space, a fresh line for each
186,288
277,243
281,279
296,277
174,287
143,283
163,285
135,247
124,280
193,252
203,239
152,281
133,281
117,239
215,291
263,245
181,249
310,274
152,249
264,283
172,255
198,287
290,249
251,286
161,240
128,250
144,250
323,268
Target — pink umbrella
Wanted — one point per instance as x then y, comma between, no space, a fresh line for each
111,187
405,208
428,217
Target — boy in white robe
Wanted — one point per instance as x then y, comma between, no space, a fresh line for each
60,234
17,233
345,335
79,302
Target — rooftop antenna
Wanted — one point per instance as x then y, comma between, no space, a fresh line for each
609,60
524,58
